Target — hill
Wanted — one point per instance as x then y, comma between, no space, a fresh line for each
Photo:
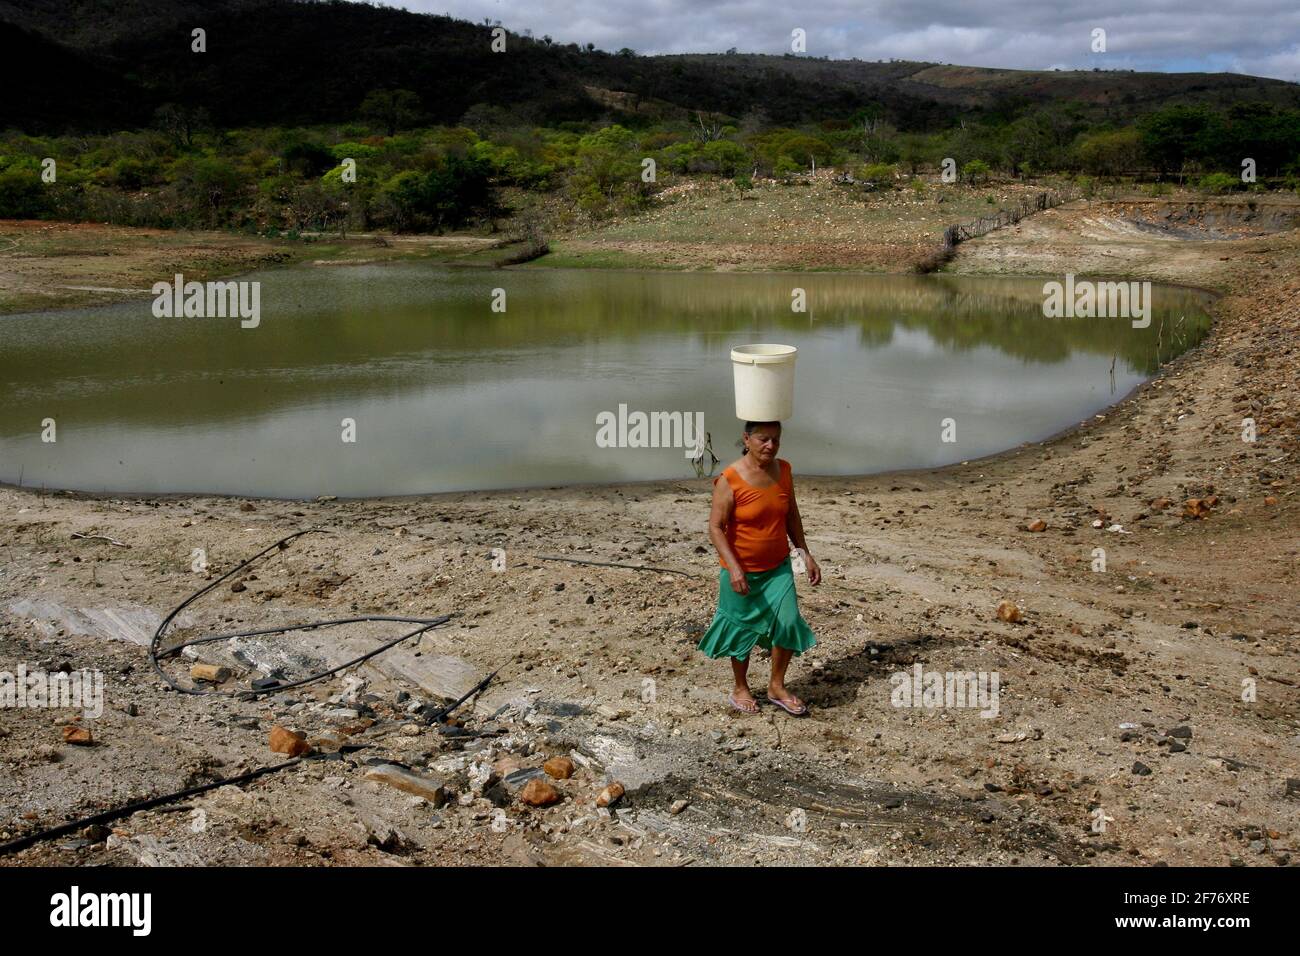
300,62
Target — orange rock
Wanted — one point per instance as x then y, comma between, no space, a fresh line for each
539,793
610,794
1197,508
289,742
1007,611
561,768
1160,504
80,736
209,672
1270,500
1038,524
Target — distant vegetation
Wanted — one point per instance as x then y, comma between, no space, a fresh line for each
185,173
256,132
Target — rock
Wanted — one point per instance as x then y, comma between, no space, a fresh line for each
678,806
1038,524
1007,611
96,833
518,779
410,730
1141,769
431,788
210,672
238,586
561,768
1182,733
327,742
1199,508
610,794
1292,788
79,736
1160,504
539,793
382,834
611,713
507,765
291,742
1270,500
247,506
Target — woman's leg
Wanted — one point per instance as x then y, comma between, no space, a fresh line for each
776,686
740,692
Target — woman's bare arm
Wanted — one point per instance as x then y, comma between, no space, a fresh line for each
794,528
720,514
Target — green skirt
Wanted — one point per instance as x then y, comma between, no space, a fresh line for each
767,615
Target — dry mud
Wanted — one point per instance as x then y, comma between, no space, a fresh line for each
1142,666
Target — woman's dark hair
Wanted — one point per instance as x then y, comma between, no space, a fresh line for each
750,426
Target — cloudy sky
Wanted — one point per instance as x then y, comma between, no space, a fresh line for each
1261,37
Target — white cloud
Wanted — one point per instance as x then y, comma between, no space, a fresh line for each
1252,36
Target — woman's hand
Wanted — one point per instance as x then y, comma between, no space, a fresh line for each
739,583
814,570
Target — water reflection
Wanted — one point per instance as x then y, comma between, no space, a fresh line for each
447,394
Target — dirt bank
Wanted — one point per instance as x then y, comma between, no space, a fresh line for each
56,265
1121,692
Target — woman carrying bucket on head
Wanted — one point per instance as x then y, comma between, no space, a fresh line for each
754,512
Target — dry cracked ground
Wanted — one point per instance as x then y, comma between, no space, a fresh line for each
1147,714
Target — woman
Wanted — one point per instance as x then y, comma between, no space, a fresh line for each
753,513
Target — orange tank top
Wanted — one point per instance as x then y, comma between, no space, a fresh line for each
757,530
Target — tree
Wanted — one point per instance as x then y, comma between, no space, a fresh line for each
1178,134
181,123
391,110
1110,154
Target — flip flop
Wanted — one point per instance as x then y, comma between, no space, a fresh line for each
802,709
731,699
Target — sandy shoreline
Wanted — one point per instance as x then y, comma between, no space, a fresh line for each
916,564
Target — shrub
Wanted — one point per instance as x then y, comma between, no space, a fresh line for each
976,170
879,173
784,166
22,194
1218,184
727,156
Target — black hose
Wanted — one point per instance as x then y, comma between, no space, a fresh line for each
156,654
615,564
22,843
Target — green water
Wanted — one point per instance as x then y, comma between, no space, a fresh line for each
447,394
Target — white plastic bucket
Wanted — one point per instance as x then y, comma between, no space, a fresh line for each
764,382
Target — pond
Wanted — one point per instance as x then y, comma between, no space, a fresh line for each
395,379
